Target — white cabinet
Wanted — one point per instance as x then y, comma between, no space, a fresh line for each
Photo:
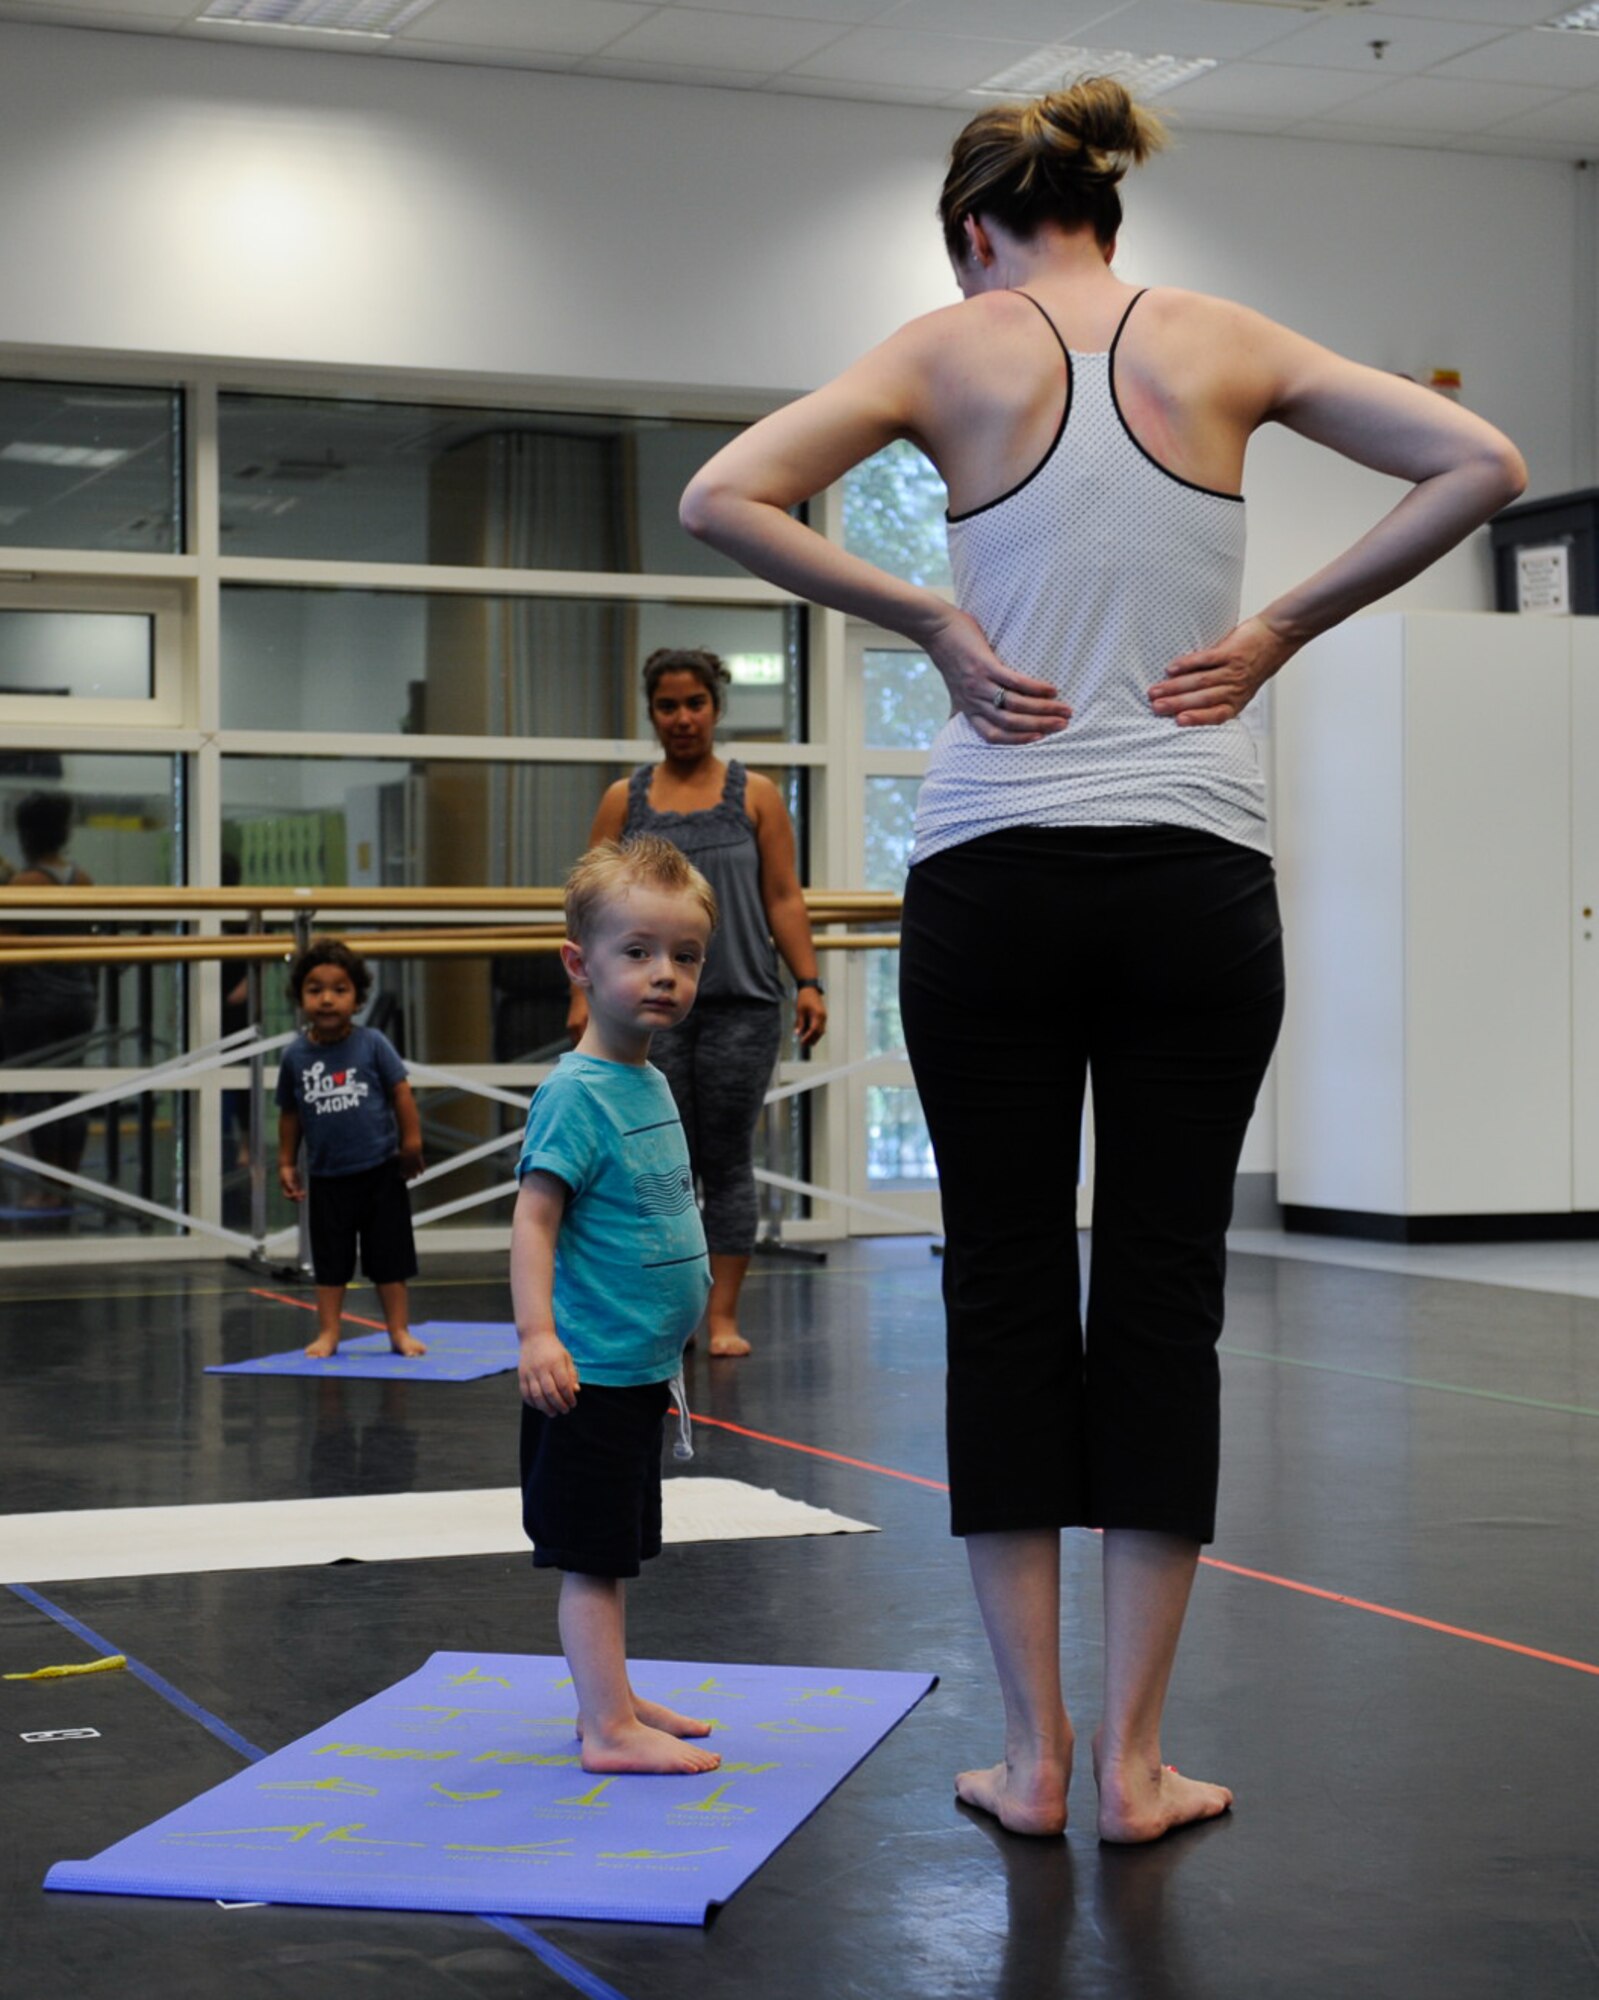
1438,842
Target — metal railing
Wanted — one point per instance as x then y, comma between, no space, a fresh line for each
257,948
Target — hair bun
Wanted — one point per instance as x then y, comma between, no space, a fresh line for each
1092,129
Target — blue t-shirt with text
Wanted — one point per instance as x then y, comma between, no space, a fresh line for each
631,1273
344,1094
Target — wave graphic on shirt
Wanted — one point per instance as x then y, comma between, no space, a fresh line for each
664,1194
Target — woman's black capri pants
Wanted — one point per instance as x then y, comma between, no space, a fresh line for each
1148,959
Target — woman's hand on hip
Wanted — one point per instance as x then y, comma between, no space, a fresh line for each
810,1017
1218,682
1002,705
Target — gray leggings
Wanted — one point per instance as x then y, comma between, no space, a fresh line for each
719,1064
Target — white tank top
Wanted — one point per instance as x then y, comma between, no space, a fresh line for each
1095,573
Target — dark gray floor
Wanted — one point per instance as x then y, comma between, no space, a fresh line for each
1416,1810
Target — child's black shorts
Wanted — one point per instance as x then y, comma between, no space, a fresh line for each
591,1480
371,1206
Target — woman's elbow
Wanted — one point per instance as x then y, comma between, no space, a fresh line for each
701,508
1511,469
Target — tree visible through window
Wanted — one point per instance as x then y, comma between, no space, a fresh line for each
894,515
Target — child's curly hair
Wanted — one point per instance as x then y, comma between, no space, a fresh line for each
329,951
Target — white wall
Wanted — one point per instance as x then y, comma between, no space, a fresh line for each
180,198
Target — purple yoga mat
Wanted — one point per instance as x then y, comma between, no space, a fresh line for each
459,1788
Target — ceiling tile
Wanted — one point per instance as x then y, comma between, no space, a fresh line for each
146,16
792,84
697,36
474,54
1035,22
652,72
1266,91
1188,28
1505,15
1574,118
1424,104
561,27
1558,61
933,62
853,12
1343,41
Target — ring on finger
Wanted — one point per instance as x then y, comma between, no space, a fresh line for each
999,697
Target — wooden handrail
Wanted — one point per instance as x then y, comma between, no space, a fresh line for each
184,903
379,944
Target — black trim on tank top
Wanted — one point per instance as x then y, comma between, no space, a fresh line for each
1060,432
1212,492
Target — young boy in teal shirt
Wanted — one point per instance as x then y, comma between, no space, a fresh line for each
609,1276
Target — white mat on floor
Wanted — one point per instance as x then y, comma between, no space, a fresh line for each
383,1527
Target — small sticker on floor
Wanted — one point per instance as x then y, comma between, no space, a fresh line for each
240,1906
56,1735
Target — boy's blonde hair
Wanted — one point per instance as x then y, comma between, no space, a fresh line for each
643,862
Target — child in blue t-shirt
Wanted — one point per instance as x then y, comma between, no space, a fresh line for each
609,1275
343,1090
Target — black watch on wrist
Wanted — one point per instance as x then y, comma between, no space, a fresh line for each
814,982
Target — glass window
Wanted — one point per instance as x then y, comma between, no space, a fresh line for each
894,508
385,662
890,830
110,819
505,489
88,655
907,703
86,466
899,1153
137,1145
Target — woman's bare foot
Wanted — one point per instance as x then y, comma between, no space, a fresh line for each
324,1347
407,1343
642,1748
1025,1797
726,1340
1137,1806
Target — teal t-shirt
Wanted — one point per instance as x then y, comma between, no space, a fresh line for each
631,1273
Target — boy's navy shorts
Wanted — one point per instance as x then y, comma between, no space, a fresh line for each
371,1207
591,1480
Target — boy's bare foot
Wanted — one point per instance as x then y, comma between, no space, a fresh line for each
324,1347
643,1749
1023,1797
1137,1806
407,1343
655,1715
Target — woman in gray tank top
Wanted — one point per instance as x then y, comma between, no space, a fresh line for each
1092,825
732,824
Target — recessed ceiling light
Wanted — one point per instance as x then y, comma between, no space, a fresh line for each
377,19
96,458
1580,21
1060,64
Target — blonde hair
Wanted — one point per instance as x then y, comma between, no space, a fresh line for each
1055,159
613,867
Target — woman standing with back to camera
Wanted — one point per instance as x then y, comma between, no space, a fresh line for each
1093,824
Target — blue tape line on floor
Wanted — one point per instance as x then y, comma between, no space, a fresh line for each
157,1682
558,1961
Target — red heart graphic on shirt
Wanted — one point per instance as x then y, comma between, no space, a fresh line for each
339,1078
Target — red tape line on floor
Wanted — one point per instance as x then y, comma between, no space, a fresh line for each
1209,1562
305,1305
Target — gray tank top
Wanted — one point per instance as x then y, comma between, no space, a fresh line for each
720,841
72,987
